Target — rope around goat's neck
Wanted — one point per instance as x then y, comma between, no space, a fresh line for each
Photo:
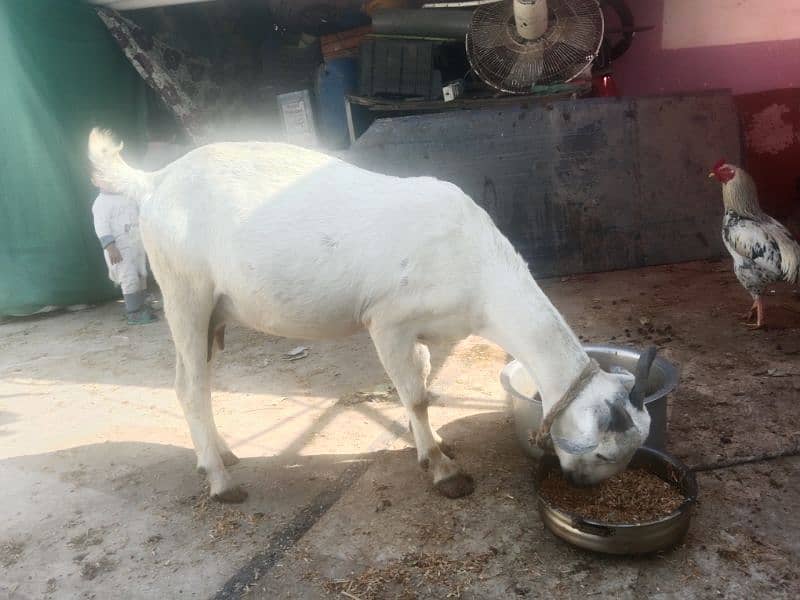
543,439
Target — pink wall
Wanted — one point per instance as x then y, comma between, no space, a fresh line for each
649,68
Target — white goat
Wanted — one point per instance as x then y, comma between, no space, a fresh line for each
295,243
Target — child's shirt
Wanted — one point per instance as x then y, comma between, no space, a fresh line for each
116,219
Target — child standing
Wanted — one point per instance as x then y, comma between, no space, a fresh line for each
116,223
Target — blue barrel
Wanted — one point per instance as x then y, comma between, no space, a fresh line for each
336,78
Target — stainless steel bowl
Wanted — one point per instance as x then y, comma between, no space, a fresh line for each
639,538
527,406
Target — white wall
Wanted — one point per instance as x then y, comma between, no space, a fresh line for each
704,23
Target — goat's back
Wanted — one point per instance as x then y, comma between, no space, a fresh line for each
309,238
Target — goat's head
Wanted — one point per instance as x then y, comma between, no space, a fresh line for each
596,436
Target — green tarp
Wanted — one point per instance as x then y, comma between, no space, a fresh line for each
60,74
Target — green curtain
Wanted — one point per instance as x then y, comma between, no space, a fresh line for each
61,73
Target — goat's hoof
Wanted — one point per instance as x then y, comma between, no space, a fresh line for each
229,458
425,463
234,495
456,486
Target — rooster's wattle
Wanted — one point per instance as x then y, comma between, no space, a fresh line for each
763,250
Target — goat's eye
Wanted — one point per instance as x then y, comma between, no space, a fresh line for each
603,458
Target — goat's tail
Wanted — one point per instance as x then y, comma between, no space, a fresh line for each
110,172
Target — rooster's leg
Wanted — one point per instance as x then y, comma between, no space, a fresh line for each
759,306
748,316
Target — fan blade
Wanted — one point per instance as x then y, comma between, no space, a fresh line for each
524,74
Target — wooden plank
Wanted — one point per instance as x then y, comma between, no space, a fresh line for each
344,43
410,106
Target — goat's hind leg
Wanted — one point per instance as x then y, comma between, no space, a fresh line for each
193,387
216,338
408,364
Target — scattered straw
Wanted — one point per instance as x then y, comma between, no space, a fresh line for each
415,575
223,520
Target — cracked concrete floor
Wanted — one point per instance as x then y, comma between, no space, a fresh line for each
101,499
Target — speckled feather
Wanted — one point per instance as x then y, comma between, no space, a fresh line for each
753,243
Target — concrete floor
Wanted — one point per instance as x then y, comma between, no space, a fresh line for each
101,499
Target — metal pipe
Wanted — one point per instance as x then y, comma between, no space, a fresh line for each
421,22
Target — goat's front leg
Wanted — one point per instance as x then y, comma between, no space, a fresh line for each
408,364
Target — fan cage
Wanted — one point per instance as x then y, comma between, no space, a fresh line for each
511,64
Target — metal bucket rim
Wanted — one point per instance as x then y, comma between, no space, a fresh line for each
670,373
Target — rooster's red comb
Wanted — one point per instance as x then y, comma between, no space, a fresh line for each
718,164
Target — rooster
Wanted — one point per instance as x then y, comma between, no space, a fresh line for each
763,250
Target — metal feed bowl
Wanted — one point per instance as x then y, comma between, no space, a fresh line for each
527,406
639,538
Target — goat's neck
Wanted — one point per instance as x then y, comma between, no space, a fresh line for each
527,325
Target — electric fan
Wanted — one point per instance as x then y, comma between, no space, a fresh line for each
513,45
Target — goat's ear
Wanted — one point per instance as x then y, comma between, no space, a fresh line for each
575,446
619,420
